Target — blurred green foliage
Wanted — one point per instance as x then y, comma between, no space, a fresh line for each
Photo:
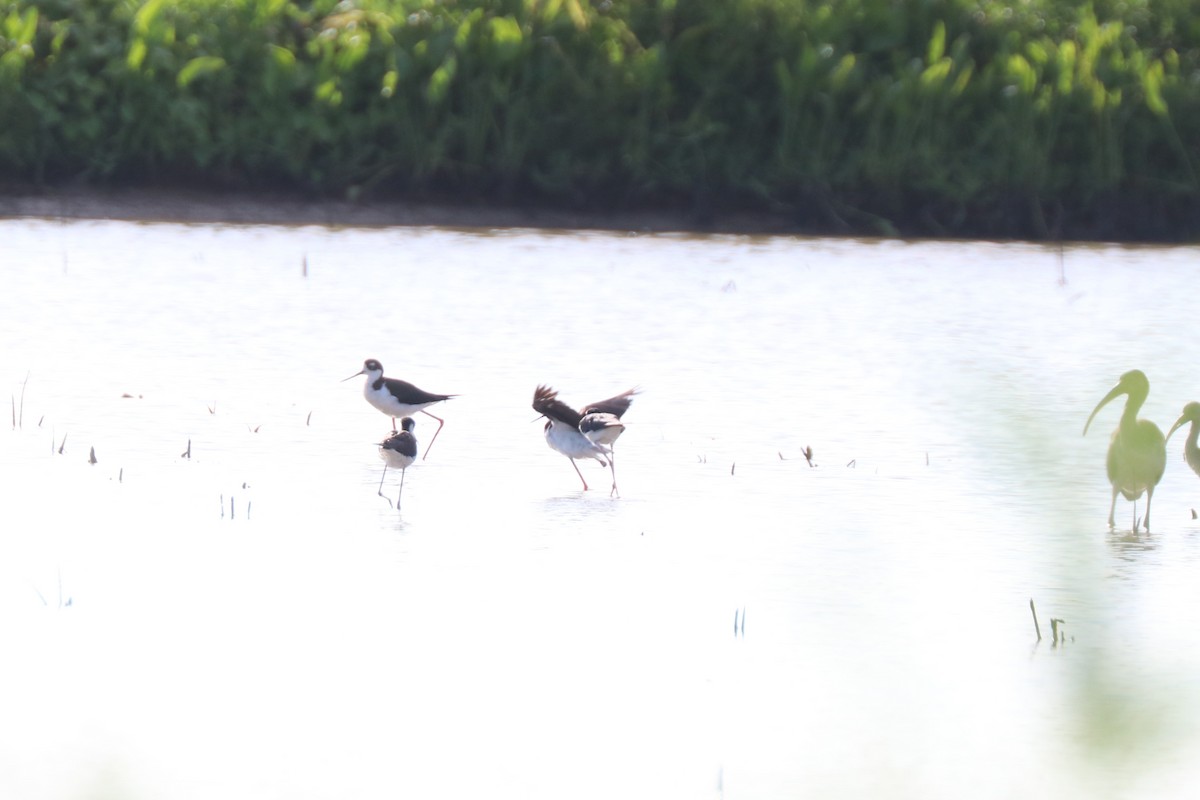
953,117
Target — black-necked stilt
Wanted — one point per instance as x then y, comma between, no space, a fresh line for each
398,398
603,429
589,433
398,451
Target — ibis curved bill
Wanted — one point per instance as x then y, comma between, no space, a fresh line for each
1191,452
1137,454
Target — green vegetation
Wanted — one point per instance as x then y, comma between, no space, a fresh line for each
929,116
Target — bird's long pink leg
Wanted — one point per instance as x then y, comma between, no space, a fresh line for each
380,491
441,422
577,472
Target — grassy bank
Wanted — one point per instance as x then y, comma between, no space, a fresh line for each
941,117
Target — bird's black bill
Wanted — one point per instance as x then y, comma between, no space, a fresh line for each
1116,391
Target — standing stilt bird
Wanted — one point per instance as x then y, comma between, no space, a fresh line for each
398,451
1191,453
1137,455
603,429
589,433
398,398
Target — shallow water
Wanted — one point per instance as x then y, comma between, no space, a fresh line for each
254,621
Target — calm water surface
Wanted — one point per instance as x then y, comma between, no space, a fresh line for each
255,622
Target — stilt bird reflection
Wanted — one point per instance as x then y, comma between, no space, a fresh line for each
1137,455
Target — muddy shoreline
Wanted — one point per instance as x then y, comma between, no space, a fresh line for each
238,208
249,207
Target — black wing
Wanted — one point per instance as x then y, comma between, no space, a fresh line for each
546,403
405,392
594,422
403,443
616,406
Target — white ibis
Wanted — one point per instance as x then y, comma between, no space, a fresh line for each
1191,453
589,433
1137,455
398,451
398,398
